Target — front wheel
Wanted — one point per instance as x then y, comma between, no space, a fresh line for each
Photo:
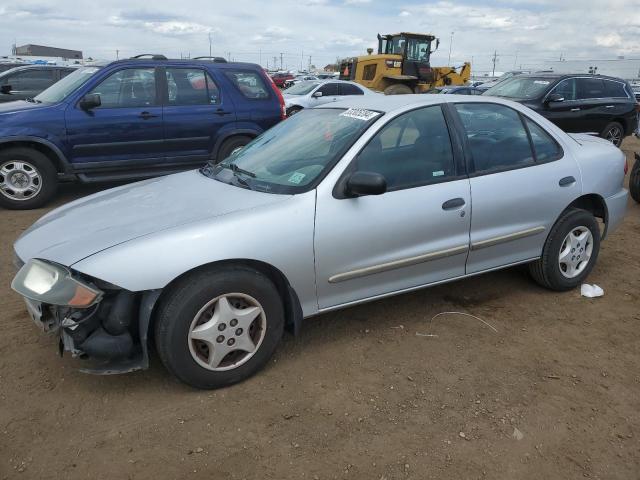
231,146
28,179
219,326
570,252
634,180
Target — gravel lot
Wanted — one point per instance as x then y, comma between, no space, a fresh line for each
555,393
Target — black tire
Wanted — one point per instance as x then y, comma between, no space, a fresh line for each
293,110
180,305
398,89
546,270
634,180
614,132
230,145
31,160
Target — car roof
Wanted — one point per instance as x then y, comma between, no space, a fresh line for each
185,61
392,103
555,75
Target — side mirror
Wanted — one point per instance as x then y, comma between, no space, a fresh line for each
365,183
316,94
6,89
89,101
555,97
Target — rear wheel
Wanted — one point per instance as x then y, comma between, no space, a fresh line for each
614,132
28,179
232,145
634,180
398,89
219,326
570,252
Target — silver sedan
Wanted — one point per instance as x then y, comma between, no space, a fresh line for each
311,94
338,205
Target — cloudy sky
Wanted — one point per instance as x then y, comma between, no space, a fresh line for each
523,32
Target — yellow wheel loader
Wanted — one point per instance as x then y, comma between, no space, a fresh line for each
402,65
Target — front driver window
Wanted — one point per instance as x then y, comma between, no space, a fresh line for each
567,89
411,150
132,87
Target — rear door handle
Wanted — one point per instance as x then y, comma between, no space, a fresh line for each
222,112
610,106
566,181
453,204
575,109
147,115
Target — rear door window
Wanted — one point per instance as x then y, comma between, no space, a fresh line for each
249,83
546,148
348,89
589,88
496,136
191,86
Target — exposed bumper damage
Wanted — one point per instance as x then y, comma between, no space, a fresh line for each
111,336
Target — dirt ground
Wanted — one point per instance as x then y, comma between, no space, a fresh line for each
554,393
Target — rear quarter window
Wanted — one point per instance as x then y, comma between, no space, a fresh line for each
250,84
615,89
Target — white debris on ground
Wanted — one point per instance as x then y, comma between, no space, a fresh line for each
591,291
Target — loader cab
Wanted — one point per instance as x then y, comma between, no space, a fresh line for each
415,51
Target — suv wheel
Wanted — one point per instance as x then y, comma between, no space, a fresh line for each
231,146
28,179
219,326
614,133
570,252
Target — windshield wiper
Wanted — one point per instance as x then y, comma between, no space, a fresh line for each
236,169
32,100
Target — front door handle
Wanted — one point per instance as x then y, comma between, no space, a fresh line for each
575,109
222,112
610,106
566,181
147,115
453,204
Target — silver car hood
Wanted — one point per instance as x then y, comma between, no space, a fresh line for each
86,226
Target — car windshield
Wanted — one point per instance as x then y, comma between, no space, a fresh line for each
59,91
301,88
520,87
291,156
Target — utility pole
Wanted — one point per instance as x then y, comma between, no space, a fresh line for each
209,43
117,54
310,64
281,60
450,47
495,59
260,63
275,63
515,62
302,60
229,56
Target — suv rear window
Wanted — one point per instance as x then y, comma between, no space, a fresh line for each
615,89
250,84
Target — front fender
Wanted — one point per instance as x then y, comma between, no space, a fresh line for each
26,135
279,234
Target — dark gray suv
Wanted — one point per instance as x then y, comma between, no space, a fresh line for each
24,82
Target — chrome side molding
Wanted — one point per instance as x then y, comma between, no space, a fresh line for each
490,242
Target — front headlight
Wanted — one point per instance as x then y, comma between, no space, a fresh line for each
54,284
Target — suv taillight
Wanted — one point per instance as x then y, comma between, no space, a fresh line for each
283,108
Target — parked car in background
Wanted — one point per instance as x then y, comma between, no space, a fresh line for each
634,179
501,78
280,78
20,83
314,93
456,90
596,104
341,204
4,66
130,119
298,79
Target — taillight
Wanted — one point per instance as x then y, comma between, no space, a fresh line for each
283,108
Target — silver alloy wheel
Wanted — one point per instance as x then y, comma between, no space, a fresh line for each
575,252
227,332
19,180
614,135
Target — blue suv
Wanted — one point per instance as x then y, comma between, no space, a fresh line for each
131,119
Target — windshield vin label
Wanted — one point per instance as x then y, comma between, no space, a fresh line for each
359,114
296,177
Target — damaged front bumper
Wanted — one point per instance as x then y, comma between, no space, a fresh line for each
110,336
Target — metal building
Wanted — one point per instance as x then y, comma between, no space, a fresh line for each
44,51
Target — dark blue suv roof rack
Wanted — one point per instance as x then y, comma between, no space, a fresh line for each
152,56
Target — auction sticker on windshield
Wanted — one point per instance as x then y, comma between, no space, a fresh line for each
360,114
296,177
